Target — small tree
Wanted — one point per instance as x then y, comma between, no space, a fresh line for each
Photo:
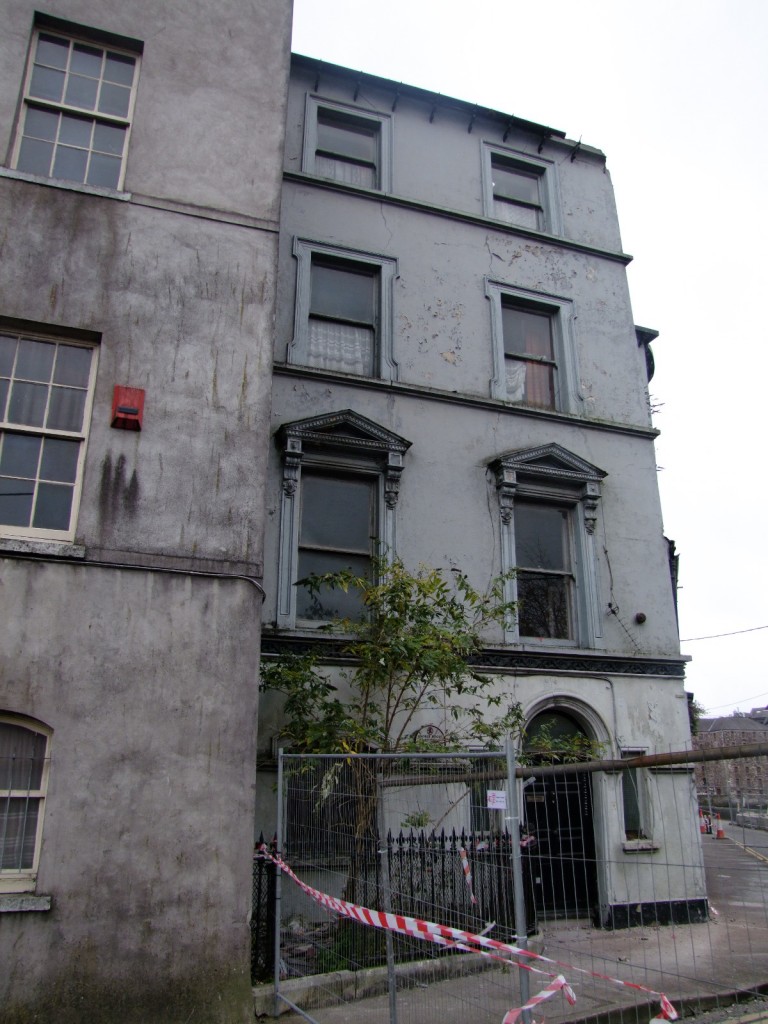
412,650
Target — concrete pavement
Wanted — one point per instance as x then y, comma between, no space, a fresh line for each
699,967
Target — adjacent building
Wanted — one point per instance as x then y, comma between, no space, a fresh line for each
139,199
741,783
458,380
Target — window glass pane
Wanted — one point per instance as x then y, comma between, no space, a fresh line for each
336,513
532,383
52,50
526,331
342,292
333,345
73,366
543,606
108,138
362,175
327,603
103,171
15,501
46,84
114,99
346,137
511,183
35,156
70,164
75,131
41,124
53,506
540,537
81,92
27,403
59,460
22,755
18,831
35,360
20,455
86,60
119,68
514,213
3,396
66,409
632,823
7,354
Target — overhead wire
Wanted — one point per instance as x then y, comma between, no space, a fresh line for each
714,636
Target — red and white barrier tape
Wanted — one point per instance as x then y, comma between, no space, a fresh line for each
467,873
456,937
559,983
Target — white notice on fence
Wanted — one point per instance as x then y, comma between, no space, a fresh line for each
497,799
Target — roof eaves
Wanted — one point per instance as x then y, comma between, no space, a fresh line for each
435,98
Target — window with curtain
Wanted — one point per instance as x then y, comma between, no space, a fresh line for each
348,144
529,358
347,148
342,317
516,193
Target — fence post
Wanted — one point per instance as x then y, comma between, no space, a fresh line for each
278,877
386,895
513,820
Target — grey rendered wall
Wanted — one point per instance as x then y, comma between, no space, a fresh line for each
147,677
148,822
447,512
178,278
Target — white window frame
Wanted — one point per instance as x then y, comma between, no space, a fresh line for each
645,839
385,267
550,221
382,123
24,880
551,475
561,313
11,427
77,34
342,443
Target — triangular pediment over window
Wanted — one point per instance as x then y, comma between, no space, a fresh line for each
549,460
342,430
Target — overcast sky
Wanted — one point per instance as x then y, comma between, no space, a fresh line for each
674,92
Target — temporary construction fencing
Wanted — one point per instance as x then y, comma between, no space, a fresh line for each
435,842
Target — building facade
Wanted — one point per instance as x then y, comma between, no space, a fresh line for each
139,197
458,380
741,783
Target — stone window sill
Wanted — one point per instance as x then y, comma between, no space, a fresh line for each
640,846
21,903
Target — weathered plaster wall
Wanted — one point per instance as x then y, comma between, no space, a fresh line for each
208,124
184,310
451,155
446,484
147,678
148,818
442,318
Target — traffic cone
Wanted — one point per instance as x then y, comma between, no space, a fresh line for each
720,832
702,823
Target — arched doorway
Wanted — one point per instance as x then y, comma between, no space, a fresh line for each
558,813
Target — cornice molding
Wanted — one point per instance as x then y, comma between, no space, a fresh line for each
422,393
502,227
497,659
